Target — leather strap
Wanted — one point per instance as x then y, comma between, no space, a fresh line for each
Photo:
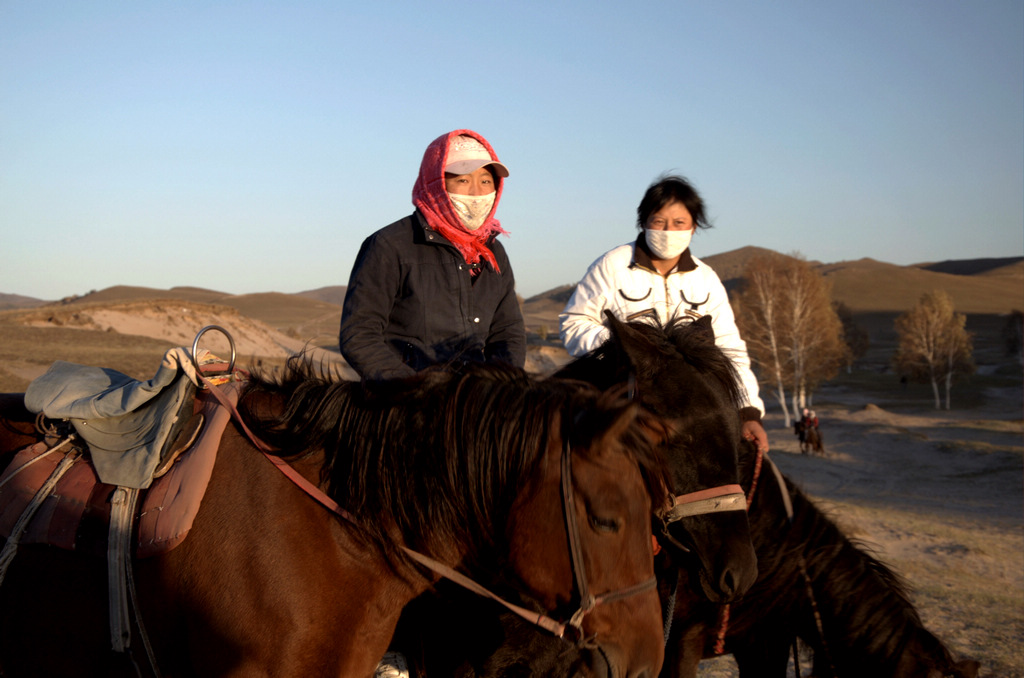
711,500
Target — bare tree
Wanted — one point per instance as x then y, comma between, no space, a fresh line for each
933,344
761,322
816,343
792,332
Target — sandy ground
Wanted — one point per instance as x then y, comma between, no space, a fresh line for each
939,497
179,324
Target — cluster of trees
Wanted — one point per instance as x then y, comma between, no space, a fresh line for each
934,346
793,332
798,337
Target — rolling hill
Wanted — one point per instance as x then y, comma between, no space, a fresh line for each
269,322
867,285
991,285
982,286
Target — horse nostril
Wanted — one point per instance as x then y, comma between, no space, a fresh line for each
727,584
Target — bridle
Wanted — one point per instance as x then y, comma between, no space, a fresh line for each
711,500
588,601
702,502
571,630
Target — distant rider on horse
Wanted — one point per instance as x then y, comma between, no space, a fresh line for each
809,420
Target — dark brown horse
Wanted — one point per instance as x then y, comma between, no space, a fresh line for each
680,374
817,585
811,440
466,468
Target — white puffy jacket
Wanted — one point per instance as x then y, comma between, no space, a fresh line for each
624,281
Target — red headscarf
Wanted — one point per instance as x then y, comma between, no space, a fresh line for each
430,197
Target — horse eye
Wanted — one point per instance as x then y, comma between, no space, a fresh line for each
604,524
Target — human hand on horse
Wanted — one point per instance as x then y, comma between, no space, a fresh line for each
752,430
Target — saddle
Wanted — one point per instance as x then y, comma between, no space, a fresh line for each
85,499
160,436
127,424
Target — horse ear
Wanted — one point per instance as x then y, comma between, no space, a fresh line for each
621,421
616,326
659,430
656,429
704,323
633,343
603,426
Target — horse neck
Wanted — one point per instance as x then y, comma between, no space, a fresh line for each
343,546
17,424
867,620
352,536
264,559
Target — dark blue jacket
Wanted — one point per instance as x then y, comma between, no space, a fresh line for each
411,302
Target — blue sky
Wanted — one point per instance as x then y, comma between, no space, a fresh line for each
250,147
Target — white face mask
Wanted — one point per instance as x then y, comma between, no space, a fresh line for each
472,209
667,244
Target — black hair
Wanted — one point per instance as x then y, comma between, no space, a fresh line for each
668,189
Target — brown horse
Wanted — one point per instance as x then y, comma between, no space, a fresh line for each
466,468
680,374
813,441
683,376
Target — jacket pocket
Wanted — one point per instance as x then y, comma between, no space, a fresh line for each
635,295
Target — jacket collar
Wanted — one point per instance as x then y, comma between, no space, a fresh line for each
642,258
433,235
427,235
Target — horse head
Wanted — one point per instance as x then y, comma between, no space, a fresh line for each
682,376
925,656
580,542
539,491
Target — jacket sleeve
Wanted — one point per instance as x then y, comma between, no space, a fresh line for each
581,322
727,336
372,289
506,341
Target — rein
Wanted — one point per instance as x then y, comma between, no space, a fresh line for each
588,601
787,503
723,619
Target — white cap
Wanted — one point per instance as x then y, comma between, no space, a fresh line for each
466,155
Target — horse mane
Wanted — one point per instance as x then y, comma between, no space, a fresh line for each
679,338
697,345
439,458
865,606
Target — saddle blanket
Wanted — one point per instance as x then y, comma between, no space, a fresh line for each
75,515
